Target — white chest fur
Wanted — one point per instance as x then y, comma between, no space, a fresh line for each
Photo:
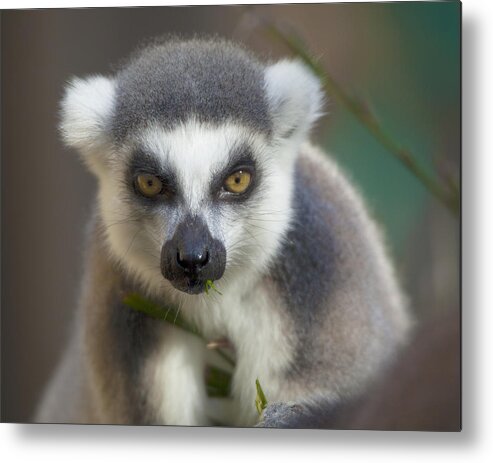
261,337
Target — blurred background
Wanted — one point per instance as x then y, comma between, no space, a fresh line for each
400,60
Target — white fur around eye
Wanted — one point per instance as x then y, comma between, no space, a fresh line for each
85,110
295,98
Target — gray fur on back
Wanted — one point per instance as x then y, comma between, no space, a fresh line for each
213,80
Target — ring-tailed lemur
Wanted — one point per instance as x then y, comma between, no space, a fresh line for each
205,173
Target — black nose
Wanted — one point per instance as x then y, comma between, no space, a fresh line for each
192,256
192,260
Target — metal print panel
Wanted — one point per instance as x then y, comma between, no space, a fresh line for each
230,215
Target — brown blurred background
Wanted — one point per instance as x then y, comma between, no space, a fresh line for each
403,59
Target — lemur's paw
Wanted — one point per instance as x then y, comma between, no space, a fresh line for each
281,415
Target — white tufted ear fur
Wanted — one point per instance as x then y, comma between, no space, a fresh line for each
295,98
85,111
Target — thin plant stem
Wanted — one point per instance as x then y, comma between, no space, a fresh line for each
171,316
450,198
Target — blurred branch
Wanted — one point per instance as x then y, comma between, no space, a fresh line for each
171,316
448,196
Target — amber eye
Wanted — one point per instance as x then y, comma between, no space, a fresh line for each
238,182
149,185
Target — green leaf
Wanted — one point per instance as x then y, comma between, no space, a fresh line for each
208,285
260,400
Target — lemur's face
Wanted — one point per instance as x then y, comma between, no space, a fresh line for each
196,203
194,145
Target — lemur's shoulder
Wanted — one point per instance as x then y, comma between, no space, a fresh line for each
326,213
316,169
333,261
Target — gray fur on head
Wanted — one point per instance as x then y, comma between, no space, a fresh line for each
168,83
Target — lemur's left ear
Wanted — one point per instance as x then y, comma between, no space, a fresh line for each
85,111
295,98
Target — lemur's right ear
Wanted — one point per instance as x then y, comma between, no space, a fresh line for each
295,98
85,111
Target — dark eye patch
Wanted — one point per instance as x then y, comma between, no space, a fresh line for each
143,162
241,158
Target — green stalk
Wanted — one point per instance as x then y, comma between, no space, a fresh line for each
170,315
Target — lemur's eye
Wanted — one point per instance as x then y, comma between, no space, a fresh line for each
238,182
149,185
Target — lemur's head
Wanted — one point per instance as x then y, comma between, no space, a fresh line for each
193,143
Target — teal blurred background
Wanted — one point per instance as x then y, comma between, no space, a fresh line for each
402,59
411,77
